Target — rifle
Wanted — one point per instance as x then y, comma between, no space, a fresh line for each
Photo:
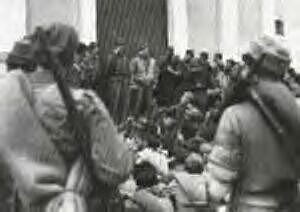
75,118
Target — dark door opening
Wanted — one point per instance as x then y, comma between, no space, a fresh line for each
137,21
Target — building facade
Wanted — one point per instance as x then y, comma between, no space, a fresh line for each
214,25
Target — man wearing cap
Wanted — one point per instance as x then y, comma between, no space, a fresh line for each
37,143
118,76
144,73
251,166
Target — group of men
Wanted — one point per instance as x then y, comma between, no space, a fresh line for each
134,87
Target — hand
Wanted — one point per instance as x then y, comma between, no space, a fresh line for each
36,181
217,190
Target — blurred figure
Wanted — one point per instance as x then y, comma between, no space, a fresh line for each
75,76
166,59
118,77
47,165
187,79
201,70
144,71
89,59
168,81
290,79
204,60
218,70
163,90
189,55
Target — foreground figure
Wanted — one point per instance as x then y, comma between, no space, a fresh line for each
250,163
37,140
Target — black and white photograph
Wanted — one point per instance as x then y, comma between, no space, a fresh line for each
149,105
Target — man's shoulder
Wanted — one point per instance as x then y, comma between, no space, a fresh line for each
241,110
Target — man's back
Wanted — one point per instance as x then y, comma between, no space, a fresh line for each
265,170
264,162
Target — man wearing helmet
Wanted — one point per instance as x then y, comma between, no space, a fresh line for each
249,165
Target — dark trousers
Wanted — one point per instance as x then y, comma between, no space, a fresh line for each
118,99
141,101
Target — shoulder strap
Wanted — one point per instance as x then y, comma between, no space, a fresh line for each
273,122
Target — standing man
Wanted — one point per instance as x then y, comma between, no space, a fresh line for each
144,76
168,78
118,75
218,71
201,69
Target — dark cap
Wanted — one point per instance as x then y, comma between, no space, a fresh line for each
22,49
22,54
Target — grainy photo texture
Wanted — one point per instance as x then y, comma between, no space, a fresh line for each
149,106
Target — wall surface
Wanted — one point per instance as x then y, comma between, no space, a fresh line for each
291,17
20,16
202,21
12,22
79,13
137,22
178,33
216,25
225,25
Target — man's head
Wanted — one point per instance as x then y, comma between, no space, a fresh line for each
82,48
189,54
144,51
93,48
204,56
218,57
60,39
269,56
170,51
291,72
120,46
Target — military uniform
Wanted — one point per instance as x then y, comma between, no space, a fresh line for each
144,75
118,77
